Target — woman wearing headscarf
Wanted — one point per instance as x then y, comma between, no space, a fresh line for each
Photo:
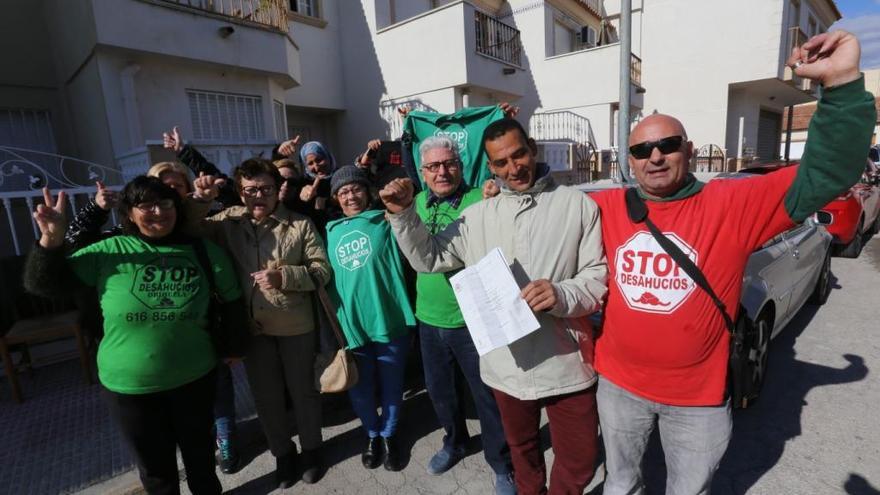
318,166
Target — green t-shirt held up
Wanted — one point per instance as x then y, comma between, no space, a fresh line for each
369,288
154,299
435,302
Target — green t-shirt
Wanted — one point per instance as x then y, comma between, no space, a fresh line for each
465,127
435,301
155,301
369,288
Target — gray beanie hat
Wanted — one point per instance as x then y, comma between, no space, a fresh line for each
346,175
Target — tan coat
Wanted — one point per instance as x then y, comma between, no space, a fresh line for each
548,232
286,241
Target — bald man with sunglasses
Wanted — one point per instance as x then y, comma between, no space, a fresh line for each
663,352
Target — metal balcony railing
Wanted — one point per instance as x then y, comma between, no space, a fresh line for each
268,13
497,40
635,70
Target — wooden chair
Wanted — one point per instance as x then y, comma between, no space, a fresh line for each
35,320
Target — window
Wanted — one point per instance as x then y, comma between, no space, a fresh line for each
811,23
280,120
586,37
305,7
563,38
226,116
25,128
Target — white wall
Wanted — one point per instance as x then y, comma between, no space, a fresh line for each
320,58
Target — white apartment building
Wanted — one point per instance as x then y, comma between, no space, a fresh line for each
100,80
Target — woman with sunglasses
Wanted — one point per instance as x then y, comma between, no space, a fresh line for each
374,310
280,259
156,362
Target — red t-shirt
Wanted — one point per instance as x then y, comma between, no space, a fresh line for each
663,339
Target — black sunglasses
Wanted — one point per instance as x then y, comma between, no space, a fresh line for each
666,146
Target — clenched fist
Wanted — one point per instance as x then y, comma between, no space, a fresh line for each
397,195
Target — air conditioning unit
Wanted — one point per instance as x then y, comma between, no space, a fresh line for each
587,36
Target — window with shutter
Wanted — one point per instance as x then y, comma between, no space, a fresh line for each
226,116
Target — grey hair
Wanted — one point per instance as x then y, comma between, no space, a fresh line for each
437,142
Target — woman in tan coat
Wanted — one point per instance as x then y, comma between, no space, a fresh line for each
280,258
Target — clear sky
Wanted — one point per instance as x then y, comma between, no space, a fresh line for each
862,17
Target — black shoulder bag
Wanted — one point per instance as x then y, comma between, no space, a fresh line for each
230,340
738,374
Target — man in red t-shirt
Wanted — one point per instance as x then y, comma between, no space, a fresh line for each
663,352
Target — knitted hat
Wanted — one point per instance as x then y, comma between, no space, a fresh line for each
347,175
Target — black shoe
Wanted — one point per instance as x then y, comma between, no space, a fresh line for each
372,456
313,469
228,455
392,454
285,470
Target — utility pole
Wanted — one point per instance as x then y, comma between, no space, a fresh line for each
625,89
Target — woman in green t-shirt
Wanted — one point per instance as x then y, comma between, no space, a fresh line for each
374,310
156,361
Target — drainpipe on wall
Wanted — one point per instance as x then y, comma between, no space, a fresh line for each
625,88
129,104
739,144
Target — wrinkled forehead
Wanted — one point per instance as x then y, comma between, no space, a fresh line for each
656,127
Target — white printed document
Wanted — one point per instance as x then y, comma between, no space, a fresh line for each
490,302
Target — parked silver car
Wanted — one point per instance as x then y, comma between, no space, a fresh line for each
788,271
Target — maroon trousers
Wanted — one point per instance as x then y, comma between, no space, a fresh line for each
574,434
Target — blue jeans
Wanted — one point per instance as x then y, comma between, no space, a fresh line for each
693,438
442,348
380,366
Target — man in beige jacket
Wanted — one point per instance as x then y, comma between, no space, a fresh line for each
552,236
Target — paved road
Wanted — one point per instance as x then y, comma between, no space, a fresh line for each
814,431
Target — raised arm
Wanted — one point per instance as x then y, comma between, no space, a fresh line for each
442,252
840,130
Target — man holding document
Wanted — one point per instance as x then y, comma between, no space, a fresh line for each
551,235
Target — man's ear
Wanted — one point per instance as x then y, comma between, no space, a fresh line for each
533,146
689,151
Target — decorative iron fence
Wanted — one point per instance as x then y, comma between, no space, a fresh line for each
270,13
497,40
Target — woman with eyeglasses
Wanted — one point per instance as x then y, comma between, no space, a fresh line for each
374,310
156,362
280,259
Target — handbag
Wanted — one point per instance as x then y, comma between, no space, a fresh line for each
335,371
739,384
229,341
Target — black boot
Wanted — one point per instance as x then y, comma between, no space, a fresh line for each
313,468
372,456
392,454
285,470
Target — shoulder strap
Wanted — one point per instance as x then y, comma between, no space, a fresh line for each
638,213
204,261
330,311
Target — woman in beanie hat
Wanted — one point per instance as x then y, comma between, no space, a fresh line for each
374,310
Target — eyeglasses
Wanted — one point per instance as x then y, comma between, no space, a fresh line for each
666,146
351,190
434,167
253,190
162,204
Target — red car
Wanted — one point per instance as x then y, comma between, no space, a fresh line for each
855,214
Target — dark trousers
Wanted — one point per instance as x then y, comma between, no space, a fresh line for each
154,425
574,434
285,366
224,401
442,349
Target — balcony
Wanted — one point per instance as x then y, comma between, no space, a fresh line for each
597,65
477,51
259,13
496,39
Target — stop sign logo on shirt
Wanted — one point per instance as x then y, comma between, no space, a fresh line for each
648,278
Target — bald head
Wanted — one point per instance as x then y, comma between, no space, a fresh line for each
656,126
665,170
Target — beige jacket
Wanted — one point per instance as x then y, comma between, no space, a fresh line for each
548,232
286,241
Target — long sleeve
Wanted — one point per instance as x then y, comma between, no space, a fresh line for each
315,269
85,228
441,252
48,274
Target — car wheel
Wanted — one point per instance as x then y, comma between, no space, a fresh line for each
823,283
854,248
759,347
